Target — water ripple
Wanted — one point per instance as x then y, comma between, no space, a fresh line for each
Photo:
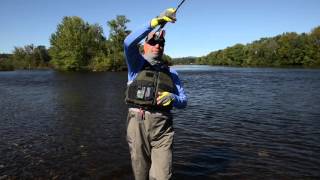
240,123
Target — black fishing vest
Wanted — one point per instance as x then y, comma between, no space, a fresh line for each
143,90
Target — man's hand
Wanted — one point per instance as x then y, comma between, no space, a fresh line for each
165,98
169,15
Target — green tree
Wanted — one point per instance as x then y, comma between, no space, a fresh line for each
30,57
101,62
24,57
19,58
167,59
288,49
118,32
41,56
313,54
6,62
261,53
75,44
234,55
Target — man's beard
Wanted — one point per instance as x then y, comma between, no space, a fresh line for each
153,59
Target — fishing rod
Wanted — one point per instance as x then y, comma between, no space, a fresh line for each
180,5
162,25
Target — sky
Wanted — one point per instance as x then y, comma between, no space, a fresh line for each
202,26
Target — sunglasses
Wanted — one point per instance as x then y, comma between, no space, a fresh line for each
154,42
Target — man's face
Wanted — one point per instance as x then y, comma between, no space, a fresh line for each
154,47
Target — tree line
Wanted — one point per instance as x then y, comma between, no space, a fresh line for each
27,57
75,46
79,46
288,49
6,62
184,60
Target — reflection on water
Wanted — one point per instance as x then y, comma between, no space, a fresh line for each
63,125
240,123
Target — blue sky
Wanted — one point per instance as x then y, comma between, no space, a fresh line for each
203,25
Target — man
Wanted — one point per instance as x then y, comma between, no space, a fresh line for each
153,90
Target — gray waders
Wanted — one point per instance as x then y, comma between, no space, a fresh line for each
150,138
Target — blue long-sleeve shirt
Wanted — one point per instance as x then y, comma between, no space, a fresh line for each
135,62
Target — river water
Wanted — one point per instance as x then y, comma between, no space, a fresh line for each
240,123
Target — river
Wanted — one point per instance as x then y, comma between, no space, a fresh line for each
240,123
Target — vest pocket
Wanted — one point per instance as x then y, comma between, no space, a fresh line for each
149,93
142,93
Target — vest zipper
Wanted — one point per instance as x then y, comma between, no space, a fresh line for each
156,84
